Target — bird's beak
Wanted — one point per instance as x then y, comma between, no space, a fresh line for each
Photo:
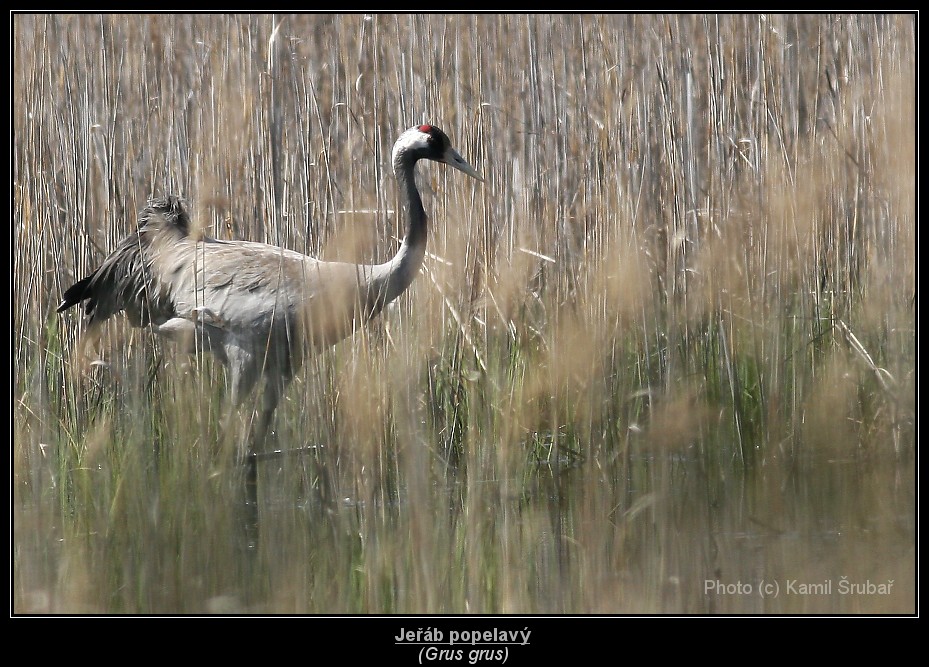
452,159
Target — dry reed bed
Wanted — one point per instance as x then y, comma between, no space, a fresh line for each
696,243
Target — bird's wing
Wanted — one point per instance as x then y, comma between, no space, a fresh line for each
254,289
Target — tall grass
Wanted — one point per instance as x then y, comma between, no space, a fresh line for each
671,339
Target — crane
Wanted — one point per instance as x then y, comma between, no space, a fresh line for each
260,309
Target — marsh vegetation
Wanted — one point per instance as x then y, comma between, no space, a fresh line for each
670,341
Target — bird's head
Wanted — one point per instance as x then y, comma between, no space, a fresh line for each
166,212
427,142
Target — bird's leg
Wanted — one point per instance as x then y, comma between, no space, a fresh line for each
260,426
241,381
270,398
260,434
246,482
257,441
250,505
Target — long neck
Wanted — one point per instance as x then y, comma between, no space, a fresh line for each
393,277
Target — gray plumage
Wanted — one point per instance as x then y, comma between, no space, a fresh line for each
259,308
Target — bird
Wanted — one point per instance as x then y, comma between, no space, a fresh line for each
260,309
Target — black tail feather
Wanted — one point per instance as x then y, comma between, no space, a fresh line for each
75,294
123,281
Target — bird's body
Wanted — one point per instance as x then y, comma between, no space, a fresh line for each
259,308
